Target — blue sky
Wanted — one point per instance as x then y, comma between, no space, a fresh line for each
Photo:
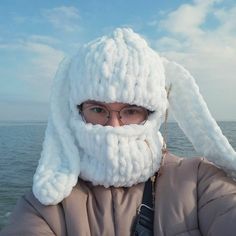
36,35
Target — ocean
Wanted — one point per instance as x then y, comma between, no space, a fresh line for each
21,144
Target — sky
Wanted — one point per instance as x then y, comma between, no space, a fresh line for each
36,35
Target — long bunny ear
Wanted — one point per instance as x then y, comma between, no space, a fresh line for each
191,112
58,167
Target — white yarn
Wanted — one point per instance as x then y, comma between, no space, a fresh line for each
119,156
120,68
58,167
194,118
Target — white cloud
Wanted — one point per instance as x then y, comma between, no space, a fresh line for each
168,43
44,61
185,20
63,18
38,66
209,52
227,20
44,39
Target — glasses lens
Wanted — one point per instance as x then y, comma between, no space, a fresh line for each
95,114
133,115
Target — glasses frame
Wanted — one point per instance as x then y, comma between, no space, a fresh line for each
80,108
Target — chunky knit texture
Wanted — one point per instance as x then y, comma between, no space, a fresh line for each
191,112
119,156
120,68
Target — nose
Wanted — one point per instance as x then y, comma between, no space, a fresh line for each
114,120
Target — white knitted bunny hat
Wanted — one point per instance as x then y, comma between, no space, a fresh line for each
121,68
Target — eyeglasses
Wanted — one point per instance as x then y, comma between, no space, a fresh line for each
98,114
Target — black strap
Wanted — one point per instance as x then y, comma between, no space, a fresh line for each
143,224
147,194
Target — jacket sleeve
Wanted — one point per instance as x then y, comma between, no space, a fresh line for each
26,221
216,201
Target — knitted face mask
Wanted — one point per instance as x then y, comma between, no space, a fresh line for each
118,156
122,68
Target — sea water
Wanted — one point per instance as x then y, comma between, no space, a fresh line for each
21,144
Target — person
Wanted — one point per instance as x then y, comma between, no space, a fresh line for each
103,146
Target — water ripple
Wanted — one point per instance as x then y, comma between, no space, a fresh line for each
20,147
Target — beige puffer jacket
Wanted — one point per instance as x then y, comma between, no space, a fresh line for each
193,197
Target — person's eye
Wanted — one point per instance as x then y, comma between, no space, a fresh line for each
97,110
132,111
